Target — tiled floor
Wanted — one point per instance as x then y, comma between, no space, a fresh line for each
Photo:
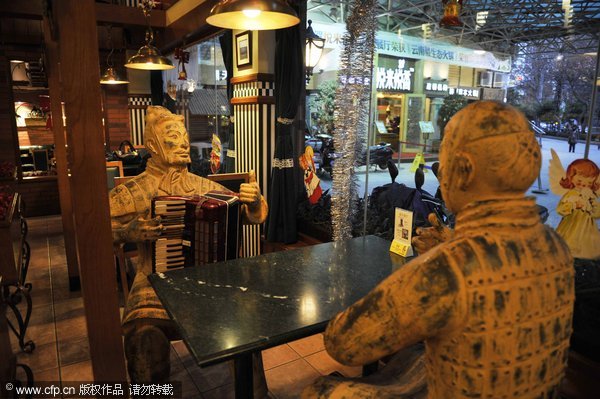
62,353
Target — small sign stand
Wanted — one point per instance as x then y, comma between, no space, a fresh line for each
402,233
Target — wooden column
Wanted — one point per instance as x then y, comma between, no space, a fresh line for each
9,142
60,153
80,77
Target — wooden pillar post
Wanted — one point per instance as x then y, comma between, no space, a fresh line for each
80,77
9,142
60,153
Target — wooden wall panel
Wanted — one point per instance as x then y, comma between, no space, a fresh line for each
116,115
40,196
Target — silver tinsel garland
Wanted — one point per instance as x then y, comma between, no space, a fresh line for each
352,112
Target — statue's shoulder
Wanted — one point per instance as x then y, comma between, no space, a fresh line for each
132,196
121,201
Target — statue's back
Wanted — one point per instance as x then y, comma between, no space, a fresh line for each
514,344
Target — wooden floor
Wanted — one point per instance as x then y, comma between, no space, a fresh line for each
59,331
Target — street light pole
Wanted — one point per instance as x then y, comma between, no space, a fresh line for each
593,104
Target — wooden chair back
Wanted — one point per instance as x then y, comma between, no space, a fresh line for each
231,181
113,169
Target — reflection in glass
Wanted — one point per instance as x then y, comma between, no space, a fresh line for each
202,99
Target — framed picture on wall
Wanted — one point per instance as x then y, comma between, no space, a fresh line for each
243,48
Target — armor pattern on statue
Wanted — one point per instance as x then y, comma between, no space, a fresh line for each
520,295
142,301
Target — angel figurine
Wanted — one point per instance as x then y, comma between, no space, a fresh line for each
579,206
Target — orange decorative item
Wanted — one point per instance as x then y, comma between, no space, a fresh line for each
184,58
311,181
451,13
579,206
215,154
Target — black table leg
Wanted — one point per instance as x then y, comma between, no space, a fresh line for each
243,377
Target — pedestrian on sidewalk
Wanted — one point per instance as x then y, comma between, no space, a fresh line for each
572,139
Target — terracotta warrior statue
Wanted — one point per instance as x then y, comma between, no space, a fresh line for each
493,303
147,326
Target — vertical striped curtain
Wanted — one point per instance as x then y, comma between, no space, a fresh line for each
288,87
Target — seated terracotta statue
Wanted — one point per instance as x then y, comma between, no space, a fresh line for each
493,303
147,326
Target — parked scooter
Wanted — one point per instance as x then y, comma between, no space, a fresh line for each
380,155
325,156
322,144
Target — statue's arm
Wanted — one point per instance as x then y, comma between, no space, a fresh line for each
256,213
254,206
424,298
127,225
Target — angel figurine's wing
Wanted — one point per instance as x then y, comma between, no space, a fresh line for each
555,173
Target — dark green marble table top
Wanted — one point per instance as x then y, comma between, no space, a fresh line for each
240,306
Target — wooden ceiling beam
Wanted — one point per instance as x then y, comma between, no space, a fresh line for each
190,28
123,15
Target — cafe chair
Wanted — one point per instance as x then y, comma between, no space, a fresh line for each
113,169
123,252
231,181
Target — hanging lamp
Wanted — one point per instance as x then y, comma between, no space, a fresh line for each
253,15
313,51
110,76
148,57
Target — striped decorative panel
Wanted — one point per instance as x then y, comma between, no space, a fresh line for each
137,114
251,89
132,3
255,145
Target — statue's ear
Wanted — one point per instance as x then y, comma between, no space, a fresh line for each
151,146
464,170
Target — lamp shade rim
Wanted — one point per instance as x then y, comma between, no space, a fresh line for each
111,77
149,58
272,14
268,21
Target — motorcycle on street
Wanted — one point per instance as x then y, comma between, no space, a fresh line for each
325,156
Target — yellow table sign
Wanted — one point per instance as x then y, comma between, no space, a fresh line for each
401,249
403,222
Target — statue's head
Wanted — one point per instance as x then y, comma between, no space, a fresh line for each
488,151
165,137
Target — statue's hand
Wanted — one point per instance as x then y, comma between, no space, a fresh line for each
250,192
145,228
430,237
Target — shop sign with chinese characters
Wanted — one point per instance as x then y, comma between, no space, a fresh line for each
395,74
220,74
435,88
406,46
472,93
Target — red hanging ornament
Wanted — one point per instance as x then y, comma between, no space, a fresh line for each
184,58
451,13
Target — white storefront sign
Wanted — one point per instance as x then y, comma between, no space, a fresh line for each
397,79
413,47
469,92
